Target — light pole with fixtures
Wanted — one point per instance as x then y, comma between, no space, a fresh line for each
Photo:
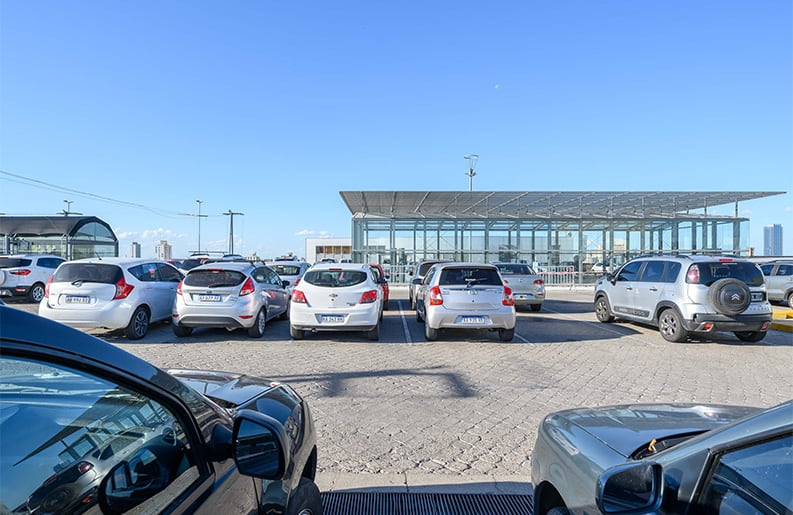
472,159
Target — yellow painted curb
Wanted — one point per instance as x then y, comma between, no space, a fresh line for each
786,326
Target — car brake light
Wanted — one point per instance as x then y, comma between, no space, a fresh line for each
539,282
123,289
179,287
47,288
725,260
436,299
84,467
297,281
299,297
692,276
247,288
368,297
23,271
508,299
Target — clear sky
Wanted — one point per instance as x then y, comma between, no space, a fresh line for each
135,110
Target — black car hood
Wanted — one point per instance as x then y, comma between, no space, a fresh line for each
229,389
628,428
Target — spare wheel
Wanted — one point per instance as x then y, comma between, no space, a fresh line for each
730,296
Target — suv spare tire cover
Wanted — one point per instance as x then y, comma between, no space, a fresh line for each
729,296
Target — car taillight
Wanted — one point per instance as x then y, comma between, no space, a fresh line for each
368,297
23,271
247,288
299,297
297,281
539,282
692,276
436,299
508,299
84,467
47,288
123,289
179,287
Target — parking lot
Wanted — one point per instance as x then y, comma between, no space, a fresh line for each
461,413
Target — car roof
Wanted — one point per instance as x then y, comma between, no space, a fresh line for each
341,266
29,256
120,261
455,264
239,266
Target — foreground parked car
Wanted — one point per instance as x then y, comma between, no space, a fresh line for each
337,297
88,427
465,296
779,280
111,293
26,274
683,294
231,295
665,458
528,288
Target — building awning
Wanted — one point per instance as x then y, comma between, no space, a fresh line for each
46,225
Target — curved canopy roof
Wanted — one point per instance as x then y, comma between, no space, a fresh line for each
47,225
539,204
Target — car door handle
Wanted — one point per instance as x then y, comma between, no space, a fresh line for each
653,289
629,287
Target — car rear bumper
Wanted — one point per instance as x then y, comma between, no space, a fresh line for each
354,320
713,322
442,318
109,315
528,298
11,291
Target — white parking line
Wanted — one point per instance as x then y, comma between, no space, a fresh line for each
405,325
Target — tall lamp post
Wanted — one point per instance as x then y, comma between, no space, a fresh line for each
231,214
472,159
200,216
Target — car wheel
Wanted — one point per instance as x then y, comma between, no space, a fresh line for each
305,500
729,296
374,333
750,336
603,310
138,324
430,333
36,293
295,333
506,335
181,331
790,300
671,326
419,318
536,307
58,499
257,329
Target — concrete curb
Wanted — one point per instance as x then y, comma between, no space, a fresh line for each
783,319
422,482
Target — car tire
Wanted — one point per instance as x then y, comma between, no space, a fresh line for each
724,290
374,333
790,300
295,333
506,335
603,310
257,329
430,333
558,510
305,500
671,327
750,336
36,293
59,499
138,325
181,331
536,307
385,305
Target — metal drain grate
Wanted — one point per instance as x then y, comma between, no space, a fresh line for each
362,503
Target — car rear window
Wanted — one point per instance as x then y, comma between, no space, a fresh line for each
88,272
213,278
335,278
472,276
749,273
515,269
14,262
286,269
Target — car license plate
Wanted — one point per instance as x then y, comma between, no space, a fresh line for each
521,297
208,298
472,320
332,319
77,299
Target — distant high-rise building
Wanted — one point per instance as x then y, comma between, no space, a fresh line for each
134,250
163,250
772,240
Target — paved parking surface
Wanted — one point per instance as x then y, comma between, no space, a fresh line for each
461,413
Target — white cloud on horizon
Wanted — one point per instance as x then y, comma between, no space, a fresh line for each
311,232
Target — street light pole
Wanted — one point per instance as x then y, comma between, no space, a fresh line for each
199,202
231,214
472,159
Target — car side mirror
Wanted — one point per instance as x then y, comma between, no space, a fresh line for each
260,447
285,283
630,488
416,281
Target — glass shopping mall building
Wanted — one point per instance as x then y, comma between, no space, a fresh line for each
547,229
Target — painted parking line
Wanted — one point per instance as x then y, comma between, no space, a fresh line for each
405,325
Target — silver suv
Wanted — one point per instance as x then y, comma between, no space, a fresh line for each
27,274
683,294
779,280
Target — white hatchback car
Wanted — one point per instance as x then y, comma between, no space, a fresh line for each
26,274
465,296
111,293
337,297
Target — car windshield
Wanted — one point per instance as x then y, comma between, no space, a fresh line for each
286,269
87,272
335,278
14,262
469,277
709,273
514,269
213,278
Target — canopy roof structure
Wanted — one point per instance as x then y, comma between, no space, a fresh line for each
46,225
541,204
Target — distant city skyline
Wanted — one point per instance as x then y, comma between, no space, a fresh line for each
772,240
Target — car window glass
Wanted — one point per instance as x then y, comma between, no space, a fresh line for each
88,272
766,269
758,476
653,271
67,434
214,278
470,276
710,272
335,277
168,273
14,262
274,278
672,271
630,271
784,270
428,277
514,269
286,269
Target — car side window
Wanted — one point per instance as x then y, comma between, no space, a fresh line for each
753,479
766,269
73,441
784,270
630,271
653,271
168,273
672,271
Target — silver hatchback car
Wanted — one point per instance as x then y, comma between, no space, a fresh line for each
527,287
465,296
231,295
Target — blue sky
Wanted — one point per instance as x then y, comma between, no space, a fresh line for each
134,110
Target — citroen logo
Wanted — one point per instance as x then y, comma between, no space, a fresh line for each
736,297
